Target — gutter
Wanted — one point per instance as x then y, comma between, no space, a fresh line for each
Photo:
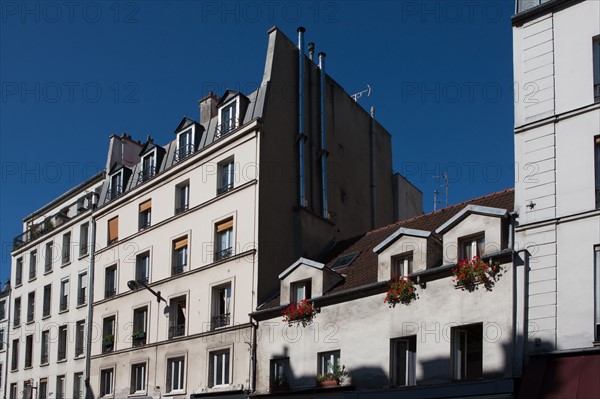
5,371
88,344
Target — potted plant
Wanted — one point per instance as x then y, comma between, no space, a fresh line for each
108,342
334,378
279,384
138,334
469,274
402,290
301,313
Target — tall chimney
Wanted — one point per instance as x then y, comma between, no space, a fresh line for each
311,50
208,108
301,136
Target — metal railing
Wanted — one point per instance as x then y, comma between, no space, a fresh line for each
144,223
181,208
113,192
183,152
108,346
17,320
178,270
223,254
31,234
227,127
224,188
139,340
177,331
221,320
110,292
48,266
78,350
146,174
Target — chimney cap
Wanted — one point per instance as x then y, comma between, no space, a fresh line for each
301,29
322,54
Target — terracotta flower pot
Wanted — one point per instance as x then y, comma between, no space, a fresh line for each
327,383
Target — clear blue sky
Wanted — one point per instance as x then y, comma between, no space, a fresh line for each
74,72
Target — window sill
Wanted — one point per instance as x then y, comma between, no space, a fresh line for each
47,316
46,272
64,264
16,326
18,285
81,256
79,357
82,305
32,279
27,368
44,364
61,361
63,311
29,322
137,394
14,370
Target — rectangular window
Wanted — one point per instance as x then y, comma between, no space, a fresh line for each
228,120
597,167
2,340
180,256
472,246
225,176
60,387
19,272
596,66
224,239
402,265
148,167
82,289
219,368
47,300
328,361
113,230
140,321
2,310
48,257
185,145
403,361
145,214
175,374
278,375
83,239
110,281
45,347
30,307
597,293
467,351
66,248
62,343
14,365
78,386
116,186
142,267
79,337
28,350
182,197
17,312
177,317
106,382
138,378
108,334
1,374
32,264
64,294
13,391
43,389
221,299
300,291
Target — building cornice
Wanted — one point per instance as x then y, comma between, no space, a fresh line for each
557,118
537,11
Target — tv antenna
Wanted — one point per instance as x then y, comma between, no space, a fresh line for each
358,95
436,191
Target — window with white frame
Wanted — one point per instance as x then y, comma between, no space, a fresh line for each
148,164
108,334
78,386
47,300
13,391
82,288
597,169
176,374
142,267
48,253
182,197
15,355
467,351
219,368
402,265
116,185
110,281
45,347
113,230
140,321
224,239
30,306
328,361
225,175
60,387
138,378
66,248
62,343
2,340
83,239
145,215
177,316
43,388
403,361
32,264
2,310
106,382
228,118
278,376
596,66
180,256
221,299
300,291
79,337
185,144
17,312
19,272
28,351
472,246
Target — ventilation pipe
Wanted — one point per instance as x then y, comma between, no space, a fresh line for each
323,138
373,185
311,50
301,136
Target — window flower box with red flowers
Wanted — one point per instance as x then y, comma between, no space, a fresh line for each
402,290
469,274
301,312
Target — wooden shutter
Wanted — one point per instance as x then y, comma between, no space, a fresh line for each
180,243
113,229
146,205
225,225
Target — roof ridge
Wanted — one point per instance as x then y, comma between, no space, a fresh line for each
464,203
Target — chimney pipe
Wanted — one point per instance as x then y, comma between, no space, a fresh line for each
325,211
372,159
311,50
301,136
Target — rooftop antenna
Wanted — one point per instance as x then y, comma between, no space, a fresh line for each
358,95
436,192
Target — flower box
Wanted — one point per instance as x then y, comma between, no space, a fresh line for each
301,312
327,384
402,290
469,274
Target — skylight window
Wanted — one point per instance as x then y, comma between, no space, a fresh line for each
344,261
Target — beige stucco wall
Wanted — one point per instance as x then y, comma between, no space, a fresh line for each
473,224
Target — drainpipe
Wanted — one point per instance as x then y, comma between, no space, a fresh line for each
372,156
6,343
301,136
253,355
323,138
88,344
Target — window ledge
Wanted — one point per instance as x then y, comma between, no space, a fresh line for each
65,264
30,322
27,368
44,364
32,279
46,272
46,317
61,361
18,285
137,394
63,311
81,306
83,256
79,357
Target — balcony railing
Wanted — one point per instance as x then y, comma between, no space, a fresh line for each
139,338
181,208
176,331
183,152
78,350
221,320
110,292
227,127
223,254
178,270
146,174
144,223
81,298
31,234
224,188
64,304
113,192
108,345
46,310
62,354
525,5
597,93
17,320
44,358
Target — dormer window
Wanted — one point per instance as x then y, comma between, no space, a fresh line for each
116,185
402,265
300,291
148,167
472,246
228,118
185,144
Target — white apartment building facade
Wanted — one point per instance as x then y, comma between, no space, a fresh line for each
4,328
